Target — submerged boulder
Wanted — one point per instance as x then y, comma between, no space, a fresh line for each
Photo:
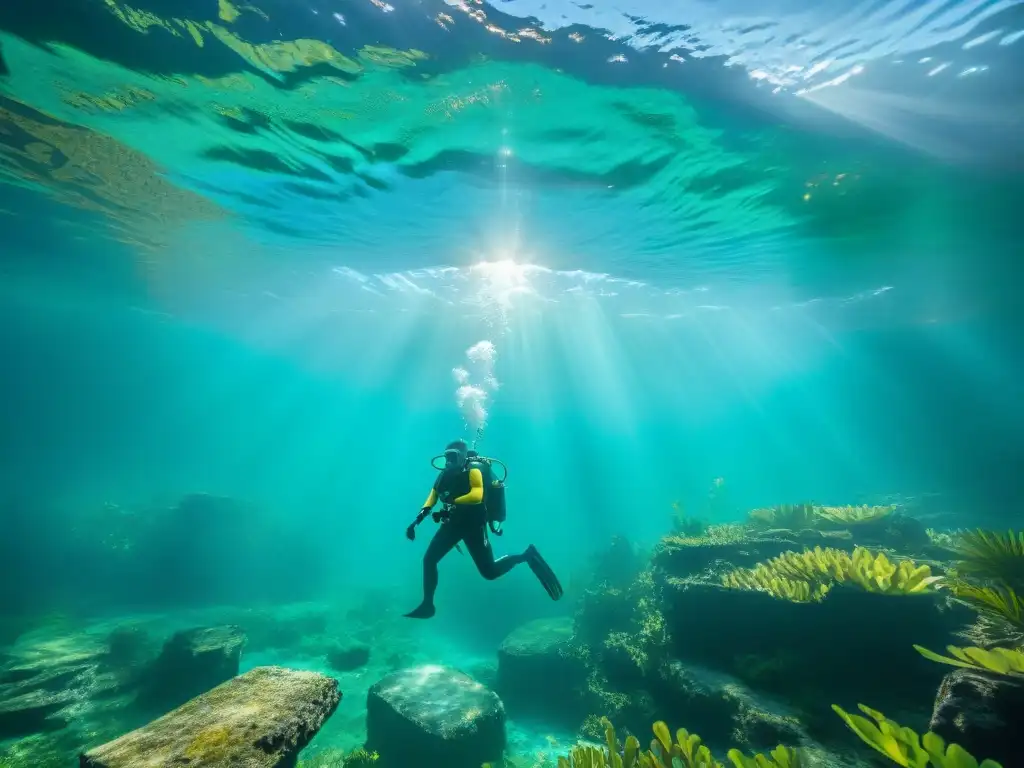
346,657
434,715
726,712
852,645
982,712
261,719
537,674
192,661
48,681
33,711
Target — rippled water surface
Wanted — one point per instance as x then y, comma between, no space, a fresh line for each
673,159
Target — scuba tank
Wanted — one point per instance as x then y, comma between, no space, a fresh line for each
494,495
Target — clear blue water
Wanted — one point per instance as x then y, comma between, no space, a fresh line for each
243,249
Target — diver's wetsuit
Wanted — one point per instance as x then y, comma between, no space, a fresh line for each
463,493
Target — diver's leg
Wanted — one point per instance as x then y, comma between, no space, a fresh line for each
447,536
480,550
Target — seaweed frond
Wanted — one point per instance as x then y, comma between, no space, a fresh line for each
808,576
855,515
793,517
1000,602
991,555
1002,661
904,746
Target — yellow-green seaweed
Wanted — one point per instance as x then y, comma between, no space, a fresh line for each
904,746
1002,661
807,576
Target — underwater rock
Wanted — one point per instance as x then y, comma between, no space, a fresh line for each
537,675
683,558
34,711
853,645
898,532
49,679
126,645
346,658
434,715
283,627
982,712
261,719
192,661
726,712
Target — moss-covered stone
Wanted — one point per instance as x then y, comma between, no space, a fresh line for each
261,719
537,656
434,715
192,661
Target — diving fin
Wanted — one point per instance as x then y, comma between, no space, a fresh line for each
543,573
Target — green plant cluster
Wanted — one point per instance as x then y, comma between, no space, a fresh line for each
683,751
808,576
337,758
641,631
904,746
989,576
797,517
901,745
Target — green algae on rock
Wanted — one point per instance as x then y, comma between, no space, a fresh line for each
261,719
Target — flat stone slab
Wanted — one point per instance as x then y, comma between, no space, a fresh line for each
434,716
261,719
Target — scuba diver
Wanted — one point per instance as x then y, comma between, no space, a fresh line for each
472,499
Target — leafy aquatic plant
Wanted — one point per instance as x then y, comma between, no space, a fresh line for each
809,575
337,758
904,746
793,517
1002,661
684,751
854,515
991,555
998,602
762,578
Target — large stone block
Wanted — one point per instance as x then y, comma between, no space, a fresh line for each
261,719
434,715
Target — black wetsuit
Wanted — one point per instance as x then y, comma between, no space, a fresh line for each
467,523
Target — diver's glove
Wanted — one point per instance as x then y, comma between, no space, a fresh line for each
410,532
442,515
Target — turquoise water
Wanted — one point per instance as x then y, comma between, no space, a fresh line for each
720,256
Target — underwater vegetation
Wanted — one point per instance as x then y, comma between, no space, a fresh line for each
738,651
798,516
809,575
901,745
745,633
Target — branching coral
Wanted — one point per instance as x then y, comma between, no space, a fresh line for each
905,747
1002,661
808,576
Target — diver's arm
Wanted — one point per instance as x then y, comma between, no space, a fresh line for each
476,489
410,532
